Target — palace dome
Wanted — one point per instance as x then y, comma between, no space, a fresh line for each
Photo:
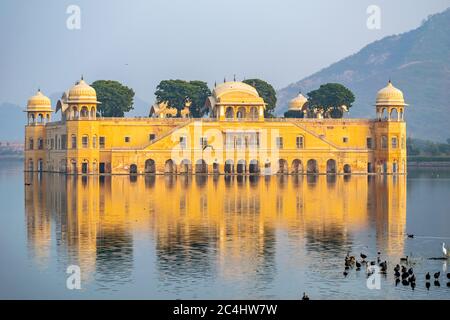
82,92
390,95
298,102
237,86
39,102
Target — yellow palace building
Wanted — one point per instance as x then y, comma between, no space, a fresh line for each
236,138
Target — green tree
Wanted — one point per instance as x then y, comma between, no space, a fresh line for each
330,97
176,92
115,98
265,91
411,147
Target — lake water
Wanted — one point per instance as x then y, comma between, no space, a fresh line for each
219,237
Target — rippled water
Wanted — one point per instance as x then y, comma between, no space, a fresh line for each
218,237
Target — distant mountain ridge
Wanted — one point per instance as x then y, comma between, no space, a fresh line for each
417,62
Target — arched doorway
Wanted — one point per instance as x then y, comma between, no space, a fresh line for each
253,167
170,167
150,167
84,167
241,167
185,166
282,166
229,167
215,168
133,169
296,167
74,167
384,167
267,168
201,166
40,165
331,166
394,167
347,169
311,167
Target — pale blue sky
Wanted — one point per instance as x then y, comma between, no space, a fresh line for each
281,41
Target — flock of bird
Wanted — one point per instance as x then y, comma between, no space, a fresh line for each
402,273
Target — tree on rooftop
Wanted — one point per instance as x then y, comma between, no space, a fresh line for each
115,98
330,98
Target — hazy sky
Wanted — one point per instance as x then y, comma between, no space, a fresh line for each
142,42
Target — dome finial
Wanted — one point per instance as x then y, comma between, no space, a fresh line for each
234,77
224,80
82,78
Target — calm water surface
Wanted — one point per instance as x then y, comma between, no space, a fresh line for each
225,238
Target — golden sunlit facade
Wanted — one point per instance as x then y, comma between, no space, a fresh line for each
236,138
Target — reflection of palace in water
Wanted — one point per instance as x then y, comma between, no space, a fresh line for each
219,224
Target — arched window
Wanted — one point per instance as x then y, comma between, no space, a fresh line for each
254,113
240,113
40,143
75,113
394,114
229,113
74,141
94,141
84,112
383,142
394,142
85,141
93,113
31,144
